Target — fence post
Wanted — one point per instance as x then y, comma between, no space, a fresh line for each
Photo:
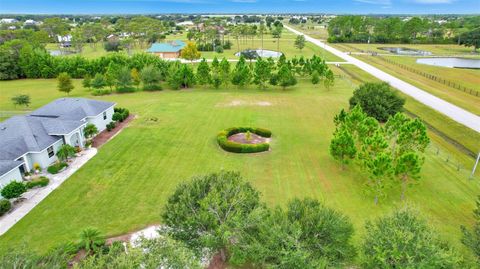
475,166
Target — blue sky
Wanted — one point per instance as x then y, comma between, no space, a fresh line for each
239,6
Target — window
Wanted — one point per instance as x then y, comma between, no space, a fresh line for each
50,152
105,115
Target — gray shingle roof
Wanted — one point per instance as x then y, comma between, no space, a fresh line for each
7,166
38,130
73,108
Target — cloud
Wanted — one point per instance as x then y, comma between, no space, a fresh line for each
244,1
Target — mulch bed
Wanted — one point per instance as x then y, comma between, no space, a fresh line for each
105,135
217,263
242,139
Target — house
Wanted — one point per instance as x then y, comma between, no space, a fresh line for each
31,22
36,137
168,50
8,21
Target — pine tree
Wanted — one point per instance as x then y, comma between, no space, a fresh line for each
65,83
262,73
285,77
203,73
342,146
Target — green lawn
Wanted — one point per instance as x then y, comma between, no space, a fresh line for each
435,49
124,187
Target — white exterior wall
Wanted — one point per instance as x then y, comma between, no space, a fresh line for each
81,138
42,157
9,177
99,121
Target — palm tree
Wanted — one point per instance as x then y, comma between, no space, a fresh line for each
90,130
65,151
91,239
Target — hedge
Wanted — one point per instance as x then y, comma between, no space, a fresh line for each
42,182
230,146
56,167
5,206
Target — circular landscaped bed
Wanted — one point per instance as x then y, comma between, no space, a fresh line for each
244,139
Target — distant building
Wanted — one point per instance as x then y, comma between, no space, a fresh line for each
31,22
185,23
7,21
167,50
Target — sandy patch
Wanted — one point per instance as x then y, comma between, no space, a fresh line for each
235,103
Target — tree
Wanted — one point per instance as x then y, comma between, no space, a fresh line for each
224,71
471,238
190,52
378,100
123,78
329,80
90,130
403,240
135,75
300,42
164,252
150,77
87,81
277,33
241,75
285,77
408,167
21,100
262,73
98,81
305,235
203,73
342,146
206,211
377,162
471,39
65,151
181,77
91,239
13,190
65,83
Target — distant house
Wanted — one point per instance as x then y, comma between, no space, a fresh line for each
167,50
8,21
36,137
31,22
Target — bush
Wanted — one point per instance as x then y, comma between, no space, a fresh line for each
111,126
230,146
125,89
378,100
152,87
219,49
5,206
13,190
100,92
56,167
120,114
42,182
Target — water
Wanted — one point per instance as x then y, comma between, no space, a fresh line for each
451,62
264,53
405,51
60,52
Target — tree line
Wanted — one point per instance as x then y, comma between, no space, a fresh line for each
365,29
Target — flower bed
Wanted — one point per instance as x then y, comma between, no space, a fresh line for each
231,146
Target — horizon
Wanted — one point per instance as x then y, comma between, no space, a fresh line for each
234,7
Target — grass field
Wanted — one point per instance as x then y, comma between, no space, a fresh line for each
124,187
286,46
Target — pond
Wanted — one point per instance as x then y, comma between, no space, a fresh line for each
60,52
405,51
451,62
261,53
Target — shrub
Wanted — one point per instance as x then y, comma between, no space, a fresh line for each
120,114
152,87
99,92
42,182
13,190
111,126
230,146
5,206
56,167
219,49
125,89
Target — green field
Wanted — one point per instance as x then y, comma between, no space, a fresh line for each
124,187
435,49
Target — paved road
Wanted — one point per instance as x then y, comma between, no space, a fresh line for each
452,111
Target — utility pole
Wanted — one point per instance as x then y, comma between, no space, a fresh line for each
475,166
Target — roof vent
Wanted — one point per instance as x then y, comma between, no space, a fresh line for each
3,128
